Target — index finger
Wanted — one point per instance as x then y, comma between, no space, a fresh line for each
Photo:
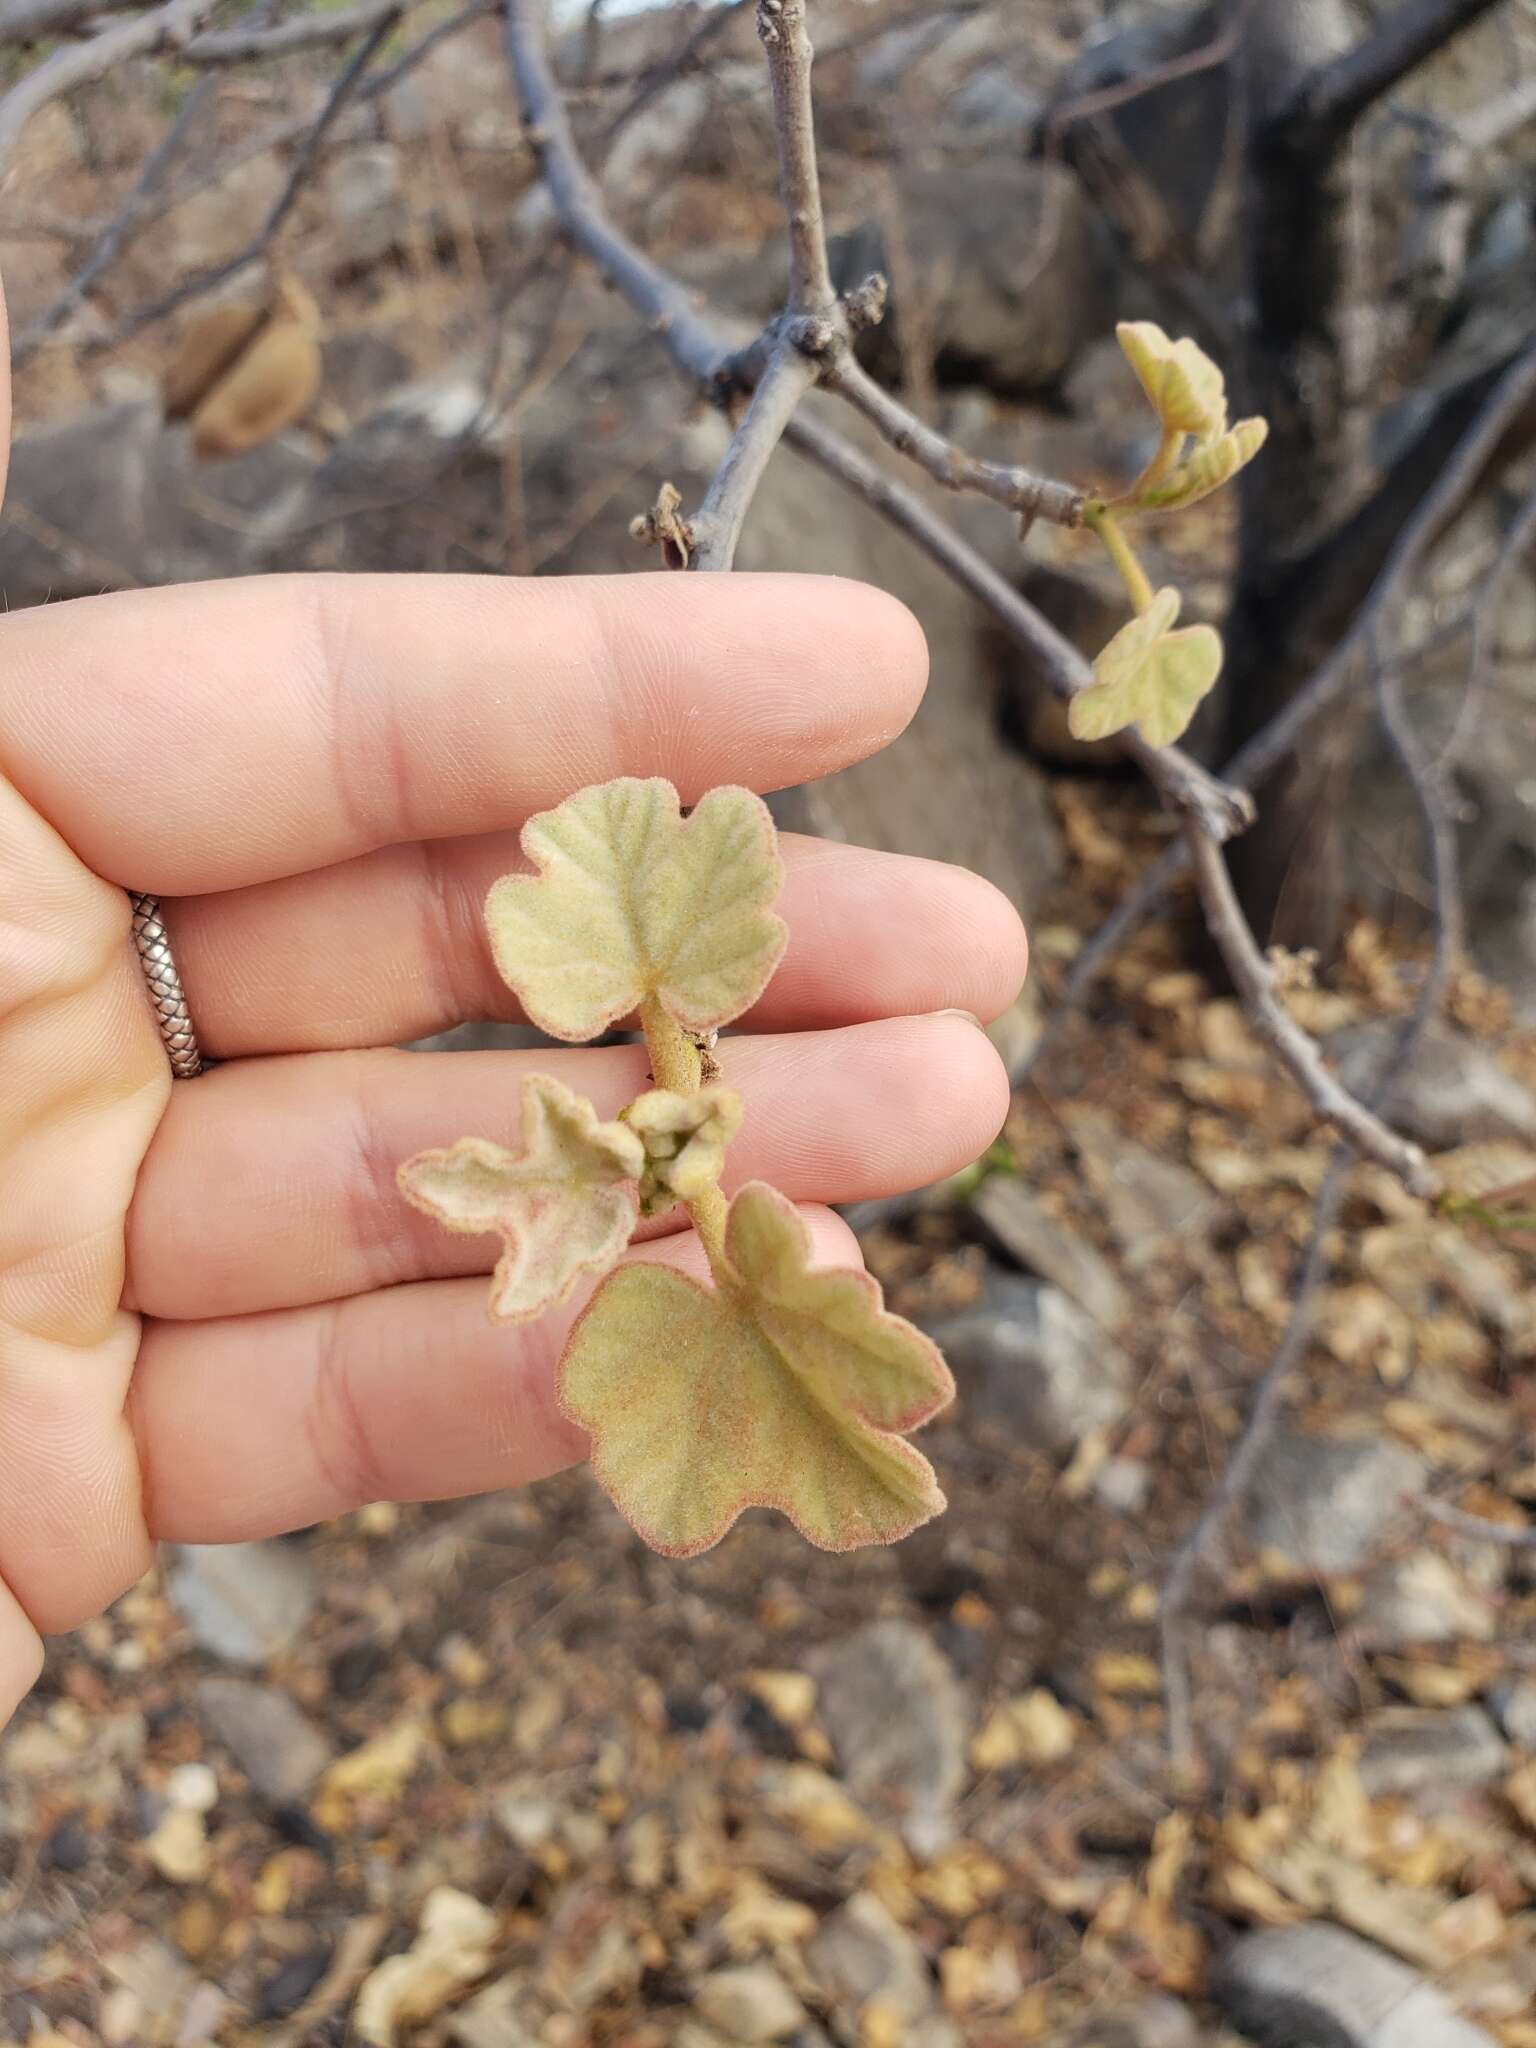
220,734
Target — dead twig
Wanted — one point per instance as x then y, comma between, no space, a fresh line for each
1511,1535
170,27
1327,105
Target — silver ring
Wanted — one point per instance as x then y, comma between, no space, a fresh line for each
165,989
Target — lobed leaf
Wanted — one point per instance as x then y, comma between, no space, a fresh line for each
633,902
788,1388
685,1137
1187,390
1149,676
564,1205
1211,466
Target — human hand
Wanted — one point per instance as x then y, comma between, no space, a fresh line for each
218,1317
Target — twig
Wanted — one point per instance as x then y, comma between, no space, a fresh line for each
75,64
1328,103
1184,785
1513,1536
1297,1051
30,21
783,34
216,274
717,526
1034,497
1238,1473
306,32
1254,762
110,242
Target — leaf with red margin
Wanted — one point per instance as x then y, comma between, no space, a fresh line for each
791,1388
564,1205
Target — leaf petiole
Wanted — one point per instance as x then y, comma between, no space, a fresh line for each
678,1064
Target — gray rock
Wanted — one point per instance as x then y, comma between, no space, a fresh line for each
1317,1987
1028,1232
364,208
1425,1599
493,2018
1158,2022
279,1749
1028,1357
1455,1092
898,1722
1513,1701
860,1953
243,1601
1414,1749
750,2003
1014,267
1149,1202
1123,1485
1324,1502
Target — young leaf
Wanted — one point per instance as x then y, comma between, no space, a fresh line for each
565,1204
685,1137
791,1388
631,901
1207,469
1149,676
1187,390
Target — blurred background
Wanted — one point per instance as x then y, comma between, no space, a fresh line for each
284,292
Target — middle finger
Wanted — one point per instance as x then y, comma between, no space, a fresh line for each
272,1183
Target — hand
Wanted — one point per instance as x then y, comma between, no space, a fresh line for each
218,1318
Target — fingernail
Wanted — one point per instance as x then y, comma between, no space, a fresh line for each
969,1016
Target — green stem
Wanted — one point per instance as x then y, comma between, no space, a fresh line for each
676,1063
1103,522
1162,465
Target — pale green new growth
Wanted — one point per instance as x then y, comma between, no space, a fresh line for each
784,1388
1148,676
685,1137
779,1386
1186,389
633,902
565,1204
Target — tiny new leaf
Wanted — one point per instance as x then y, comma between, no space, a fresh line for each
1213,464
632,902
789,1387
685,1137
565,1204
1149,676
1187,390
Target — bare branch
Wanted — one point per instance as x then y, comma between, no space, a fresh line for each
1327,104
302,168
169,27
31,21
698,344
782,31
1186,787
115,235
306,32
1296,1050
1254,762
717,526
1239,1472
1034,497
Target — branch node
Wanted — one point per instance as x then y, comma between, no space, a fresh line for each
864,307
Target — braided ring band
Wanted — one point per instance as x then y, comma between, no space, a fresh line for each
165,989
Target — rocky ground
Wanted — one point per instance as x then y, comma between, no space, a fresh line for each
492,1774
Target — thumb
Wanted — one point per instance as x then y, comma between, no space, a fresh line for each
5,391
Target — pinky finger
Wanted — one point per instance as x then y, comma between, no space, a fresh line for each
262,1423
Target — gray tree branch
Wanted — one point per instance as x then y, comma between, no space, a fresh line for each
1328,104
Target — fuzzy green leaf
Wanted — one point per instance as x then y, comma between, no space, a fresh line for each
1211,466
792,1388
1187,390
565,1205
1150,677
685,1137
631,901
